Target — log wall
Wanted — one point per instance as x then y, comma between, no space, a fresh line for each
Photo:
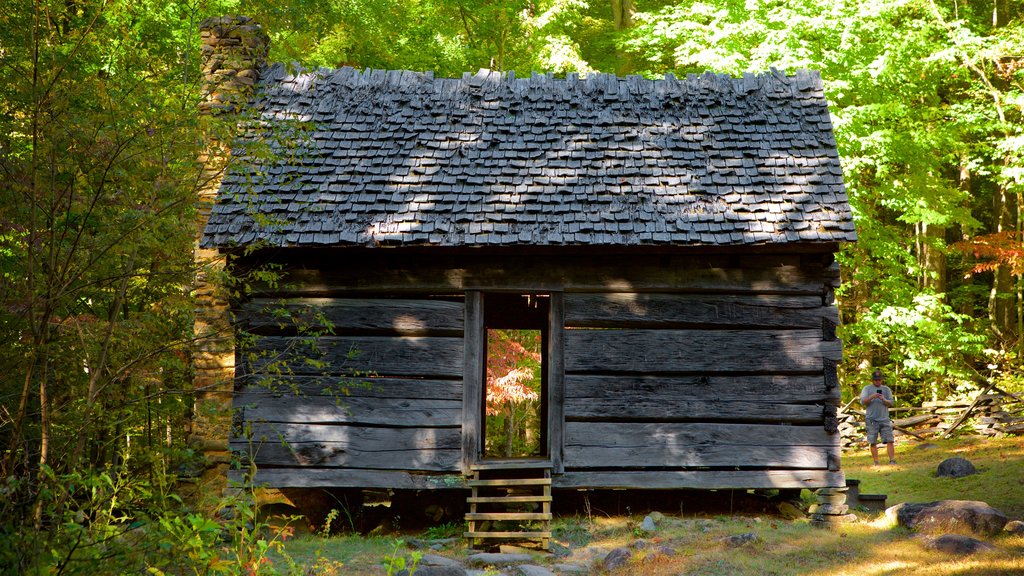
369,388
686,370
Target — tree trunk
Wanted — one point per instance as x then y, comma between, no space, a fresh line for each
1001,302
622,18
933,258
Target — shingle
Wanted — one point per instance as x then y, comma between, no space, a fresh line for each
546,151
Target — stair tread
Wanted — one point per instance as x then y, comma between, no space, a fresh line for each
511,482
513,465
508,516
507,534
507,499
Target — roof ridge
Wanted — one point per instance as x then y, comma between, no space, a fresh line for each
772,81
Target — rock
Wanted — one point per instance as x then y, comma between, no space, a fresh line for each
648,525
831,521
958,544
926,446
829,509
534,570
949,515
436,571
1015,527
791,512
662,550
657,516
616,558
738,540
571,568
492,559
955,468
639,544
435,560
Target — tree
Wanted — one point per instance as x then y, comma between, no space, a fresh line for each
921,97
513,392
99,137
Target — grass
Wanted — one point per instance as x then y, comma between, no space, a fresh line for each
783,547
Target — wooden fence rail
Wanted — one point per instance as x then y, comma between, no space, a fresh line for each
991,414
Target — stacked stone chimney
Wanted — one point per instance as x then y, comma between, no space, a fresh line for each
234,49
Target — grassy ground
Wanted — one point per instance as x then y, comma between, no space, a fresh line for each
783,547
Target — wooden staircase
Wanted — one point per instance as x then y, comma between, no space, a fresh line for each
513,493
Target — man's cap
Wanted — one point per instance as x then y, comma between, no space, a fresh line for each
876,375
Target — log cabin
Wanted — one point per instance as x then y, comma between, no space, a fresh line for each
671,243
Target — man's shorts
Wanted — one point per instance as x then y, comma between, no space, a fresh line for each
879,427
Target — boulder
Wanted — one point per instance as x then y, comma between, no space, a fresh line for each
437,560
648,525
436,571
738,540
1015,527
616,558
955,468
533,570
958,544
949,515
492,559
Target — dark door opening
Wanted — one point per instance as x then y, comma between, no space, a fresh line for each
515,378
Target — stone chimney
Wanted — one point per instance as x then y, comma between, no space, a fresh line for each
234,49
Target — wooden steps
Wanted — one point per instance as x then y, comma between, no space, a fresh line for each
509,500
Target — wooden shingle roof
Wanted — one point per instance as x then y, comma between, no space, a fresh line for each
369,158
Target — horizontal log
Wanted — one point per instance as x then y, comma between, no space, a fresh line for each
658,408
683,445
373,355
331,387
412,449
915,420
700,479
740,388
398,274
631,310
663,351
406,412
345,315
350,478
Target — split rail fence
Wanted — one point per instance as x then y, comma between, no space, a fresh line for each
989,414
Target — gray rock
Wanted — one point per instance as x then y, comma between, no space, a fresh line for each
436,571
648,525
1015,527
949,515
491,559
533,570
571,568
435,560
958,544
662,550
956,468
926,446
737,540
616,558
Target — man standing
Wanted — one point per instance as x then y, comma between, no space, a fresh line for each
876,399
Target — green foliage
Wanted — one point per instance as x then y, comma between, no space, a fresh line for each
395,563
512,427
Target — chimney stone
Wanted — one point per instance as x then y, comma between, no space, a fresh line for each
234,49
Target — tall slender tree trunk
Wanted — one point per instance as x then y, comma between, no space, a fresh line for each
1001,302
933,258
622,18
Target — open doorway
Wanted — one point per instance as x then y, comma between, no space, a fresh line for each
515,378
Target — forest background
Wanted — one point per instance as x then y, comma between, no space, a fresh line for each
100,137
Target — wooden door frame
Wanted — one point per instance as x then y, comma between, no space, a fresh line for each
473,384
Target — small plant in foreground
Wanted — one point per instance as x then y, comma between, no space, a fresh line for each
394,563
